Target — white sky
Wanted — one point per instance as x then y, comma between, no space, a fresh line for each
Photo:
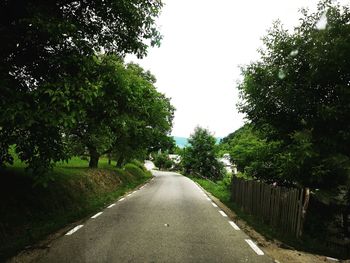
204,43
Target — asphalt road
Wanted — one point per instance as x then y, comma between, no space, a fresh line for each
168,220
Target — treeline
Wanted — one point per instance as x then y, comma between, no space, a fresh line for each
65,89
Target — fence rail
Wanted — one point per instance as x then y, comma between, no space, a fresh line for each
276,206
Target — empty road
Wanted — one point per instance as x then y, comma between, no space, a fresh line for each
168,220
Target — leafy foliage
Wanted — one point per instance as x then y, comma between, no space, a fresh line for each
199,159
162,161
53,80
298,95
126,116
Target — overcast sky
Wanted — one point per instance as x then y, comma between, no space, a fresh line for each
204,43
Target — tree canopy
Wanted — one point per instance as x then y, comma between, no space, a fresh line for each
199,158
298,94
55,79
127,115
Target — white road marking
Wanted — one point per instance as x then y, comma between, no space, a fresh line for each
111,206
215,205
75,229
121,199
128,194
332,259
98,214
222,213
234,225
254,247
208,199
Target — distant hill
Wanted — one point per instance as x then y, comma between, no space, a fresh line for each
180,141
183,141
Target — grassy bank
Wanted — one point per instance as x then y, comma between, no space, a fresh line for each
220,190
29,214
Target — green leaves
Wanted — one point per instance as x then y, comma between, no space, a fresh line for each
126,105
298,95
199,159
52,81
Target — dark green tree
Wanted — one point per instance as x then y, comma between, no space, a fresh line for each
199,158
298,94
252,153
47,51
162,161
127,115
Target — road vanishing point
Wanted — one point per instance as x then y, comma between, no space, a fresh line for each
170,219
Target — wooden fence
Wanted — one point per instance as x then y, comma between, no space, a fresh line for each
276,206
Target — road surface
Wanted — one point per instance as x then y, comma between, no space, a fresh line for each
168,220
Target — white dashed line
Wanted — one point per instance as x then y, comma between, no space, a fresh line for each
234,225
215,205
208,199
98,214
121,199
332,259
128,194
111,206
254,247
75,229
222,213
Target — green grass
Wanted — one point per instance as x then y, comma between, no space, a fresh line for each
220,190
29,214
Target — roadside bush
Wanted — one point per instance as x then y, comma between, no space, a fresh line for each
162,161
135,170
199,158
139,165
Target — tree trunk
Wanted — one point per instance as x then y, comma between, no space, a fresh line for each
94,157
109,158
120,161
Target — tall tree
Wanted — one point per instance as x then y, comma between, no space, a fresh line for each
299,94
126,115
199,158
47,51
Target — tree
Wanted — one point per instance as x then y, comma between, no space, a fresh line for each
162,161
253,154
47,51
199,158
298,94
126,115
151,118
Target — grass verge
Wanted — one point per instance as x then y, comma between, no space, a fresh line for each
220,190
30,213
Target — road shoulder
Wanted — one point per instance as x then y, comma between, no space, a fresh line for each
273,248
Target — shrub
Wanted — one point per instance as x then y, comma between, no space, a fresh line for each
162,161
139,165
199,158
135,170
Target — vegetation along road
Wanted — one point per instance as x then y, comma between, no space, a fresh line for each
168,220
